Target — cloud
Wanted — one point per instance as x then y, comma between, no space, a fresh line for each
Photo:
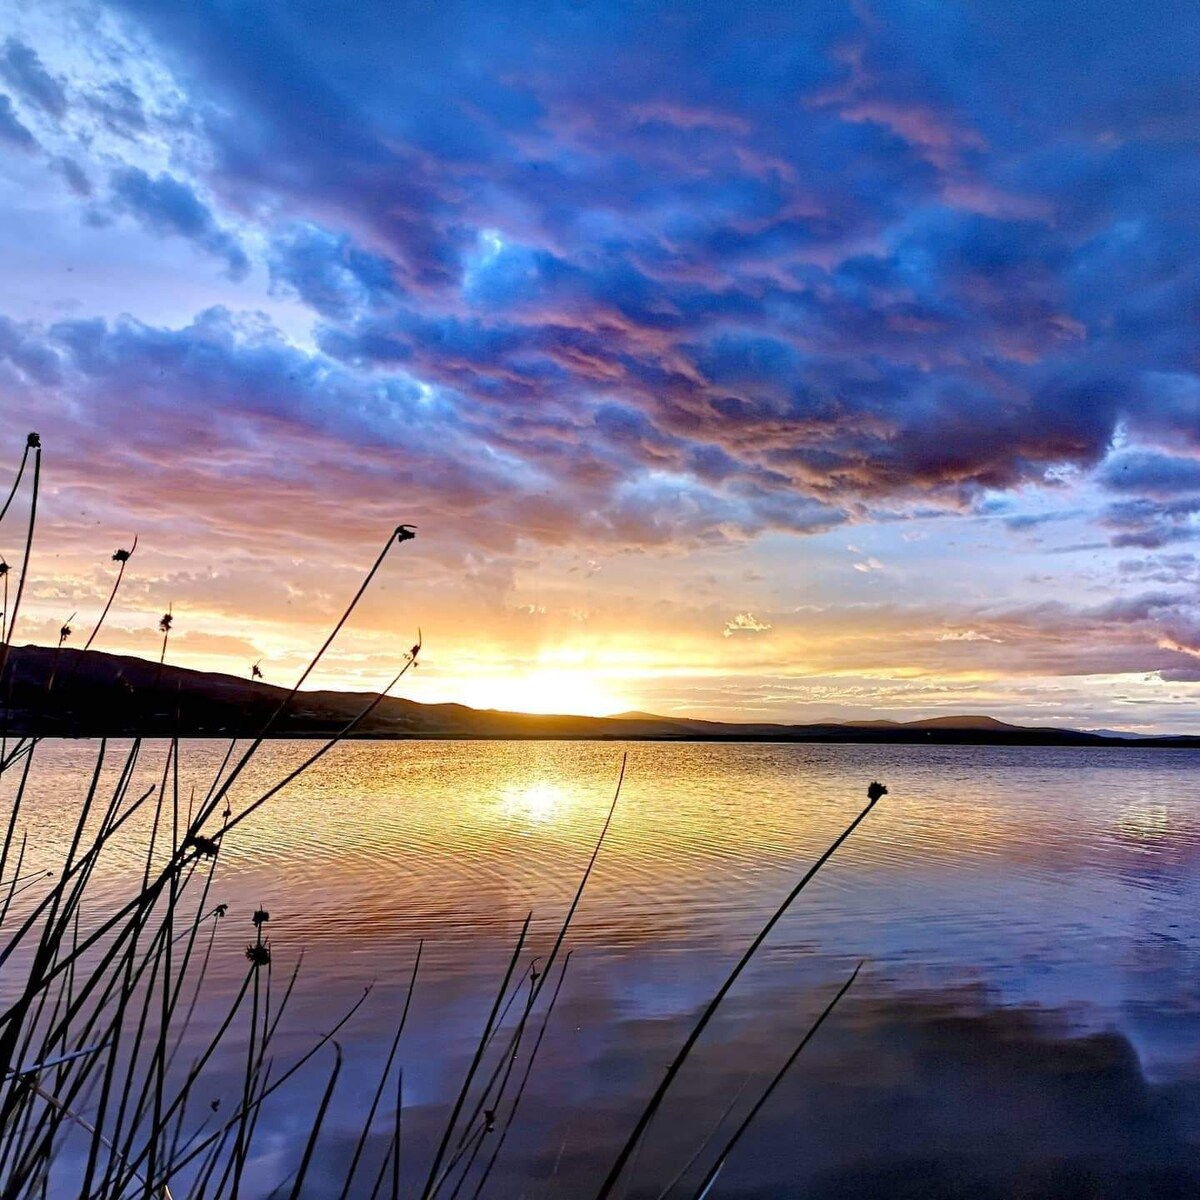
328,272
886,287
12,131
227,385
966,635
745,623
75,177
1150,474
22,70
119,108
166,205
1151,524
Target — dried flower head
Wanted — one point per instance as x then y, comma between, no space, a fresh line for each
405,533
33,441
64,633
261,917
121,555
206,846
255,672
3,567
259,954
221,909
876,791
164,626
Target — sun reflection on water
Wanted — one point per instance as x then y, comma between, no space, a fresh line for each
539,801
1145,821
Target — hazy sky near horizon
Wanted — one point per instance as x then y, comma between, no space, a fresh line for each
758,360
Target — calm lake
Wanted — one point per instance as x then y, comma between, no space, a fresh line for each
1027,1021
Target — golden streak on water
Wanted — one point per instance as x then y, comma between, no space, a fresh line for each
538,802
385,842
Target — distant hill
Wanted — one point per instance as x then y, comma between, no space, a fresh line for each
96,694
962,723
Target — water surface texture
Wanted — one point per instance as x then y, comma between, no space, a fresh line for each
1027,1018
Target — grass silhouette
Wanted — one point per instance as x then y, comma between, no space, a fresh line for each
97,1098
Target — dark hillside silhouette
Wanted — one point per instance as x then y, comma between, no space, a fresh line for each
74,693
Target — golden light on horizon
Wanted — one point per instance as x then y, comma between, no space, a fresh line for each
574,691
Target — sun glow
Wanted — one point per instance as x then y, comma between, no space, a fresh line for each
575,692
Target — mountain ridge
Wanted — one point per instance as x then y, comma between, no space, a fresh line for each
95,693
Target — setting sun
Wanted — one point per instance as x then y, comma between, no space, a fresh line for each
577,691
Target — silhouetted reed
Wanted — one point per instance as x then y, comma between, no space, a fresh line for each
97,1098
875,792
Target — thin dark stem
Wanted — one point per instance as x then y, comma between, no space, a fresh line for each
583,882
444,1145
311,1144
16,608
614,1174
748,1119
387,1067
219,793
512,1112
16,483
112,595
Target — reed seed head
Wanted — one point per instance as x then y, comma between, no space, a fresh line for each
876,791
206,847
259,953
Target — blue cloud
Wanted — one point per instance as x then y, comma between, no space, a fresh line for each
12,131
167,205
22,70
806,257
75,177
119,107
328,272
1151,474
233,381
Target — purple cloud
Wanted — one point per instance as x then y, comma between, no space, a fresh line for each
1149,474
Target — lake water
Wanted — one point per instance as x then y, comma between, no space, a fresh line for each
1027,1021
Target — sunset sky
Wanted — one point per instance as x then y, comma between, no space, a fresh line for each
756,360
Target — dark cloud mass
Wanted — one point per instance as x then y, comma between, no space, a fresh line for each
167,205
1156,475
820,250
22,69
12,132
236,383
